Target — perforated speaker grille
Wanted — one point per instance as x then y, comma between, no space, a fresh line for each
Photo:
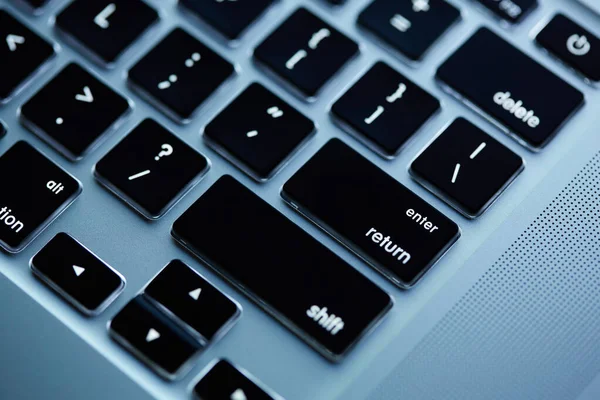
530,326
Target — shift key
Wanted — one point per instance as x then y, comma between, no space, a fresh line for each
521,96
371,213
292,276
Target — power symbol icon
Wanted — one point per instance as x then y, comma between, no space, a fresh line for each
578,45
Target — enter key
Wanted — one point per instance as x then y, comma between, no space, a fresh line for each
376,217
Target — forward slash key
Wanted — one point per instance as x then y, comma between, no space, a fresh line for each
139,175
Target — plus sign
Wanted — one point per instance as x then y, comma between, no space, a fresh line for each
420,5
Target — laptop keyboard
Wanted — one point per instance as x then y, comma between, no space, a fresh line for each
300,282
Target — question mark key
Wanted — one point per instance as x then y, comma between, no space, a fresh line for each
151,169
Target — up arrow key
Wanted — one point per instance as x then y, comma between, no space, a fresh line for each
238,395
86,97
152,335
13,40
78,270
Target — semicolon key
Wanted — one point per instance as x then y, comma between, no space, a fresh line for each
179,74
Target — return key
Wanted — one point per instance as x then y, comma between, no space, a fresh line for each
372,214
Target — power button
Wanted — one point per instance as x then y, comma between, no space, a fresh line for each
573,44
578,45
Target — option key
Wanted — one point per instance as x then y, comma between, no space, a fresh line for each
34,192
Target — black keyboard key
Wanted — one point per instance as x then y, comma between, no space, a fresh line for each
379,219
575,46
152,337
511,11
106,28
194,301
180,74
74,111
467,168
230,18
36,191
523,97
151,169
336,2
259,132
22,53
410,27
224,381
305,52
385,109
294,278
2,130
78,275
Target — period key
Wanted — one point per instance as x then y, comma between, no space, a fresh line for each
371,213
34,192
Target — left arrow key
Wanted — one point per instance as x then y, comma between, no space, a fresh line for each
89,289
